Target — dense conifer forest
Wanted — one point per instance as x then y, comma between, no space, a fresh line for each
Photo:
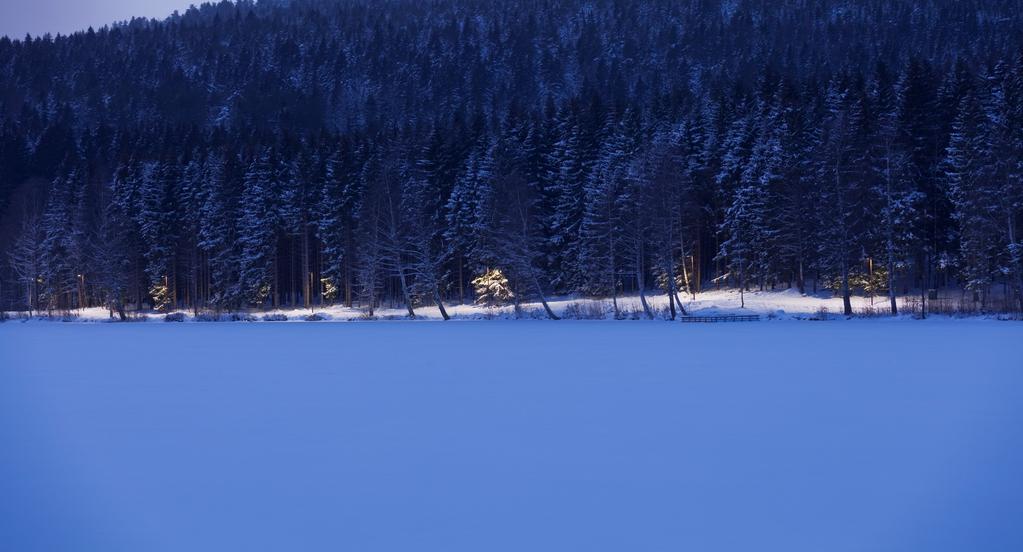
407,152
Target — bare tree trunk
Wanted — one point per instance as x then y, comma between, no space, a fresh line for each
890,237
517,304
348,284
672,294
697,269
1016,261
307,275
611,270
119,307
685,271
612,273
440,303
543,299
316,265
641,285
742,288
81,291
274,281
405,291
923,299
193,285
846,299
461,282
208,278
891,287
640,280
678,301
614,296
173,290
801,281
671,303
672,288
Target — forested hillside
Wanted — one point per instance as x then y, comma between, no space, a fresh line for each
354,151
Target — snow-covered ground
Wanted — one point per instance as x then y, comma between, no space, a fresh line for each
776,305
512,436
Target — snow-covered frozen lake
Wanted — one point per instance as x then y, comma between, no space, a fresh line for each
512,436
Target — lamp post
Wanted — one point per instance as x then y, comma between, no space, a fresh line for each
81,291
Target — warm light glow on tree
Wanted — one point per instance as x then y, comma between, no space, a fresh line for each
492,289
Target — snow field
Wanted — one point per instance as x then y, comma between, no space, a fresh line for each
511,436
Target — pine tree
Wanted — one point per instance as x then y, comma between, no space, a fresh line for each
745,224
125,201
422,206
395,232
218,234
762,179
64,244
511,227
257,231
156,218
601,222
920,138
28,259
1003,110
567,159
635,229
893,190
468,211
796,199
370,267
117,250
973,194
743,206
340,199
661,201
843,208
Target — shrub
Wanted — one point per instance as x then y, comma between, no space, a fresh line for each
959,306
629,313
596,310
275,317
174,317
531,314
228,317
873,311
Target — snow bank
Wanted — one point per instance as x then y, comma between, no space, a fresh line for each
771,305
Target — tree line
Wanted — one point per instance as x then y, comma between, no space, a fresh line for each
308,153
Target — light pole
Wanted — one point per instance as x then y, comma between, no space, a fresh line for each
81,291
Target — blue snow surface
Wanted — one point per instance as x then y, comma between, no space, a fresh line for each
512,436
